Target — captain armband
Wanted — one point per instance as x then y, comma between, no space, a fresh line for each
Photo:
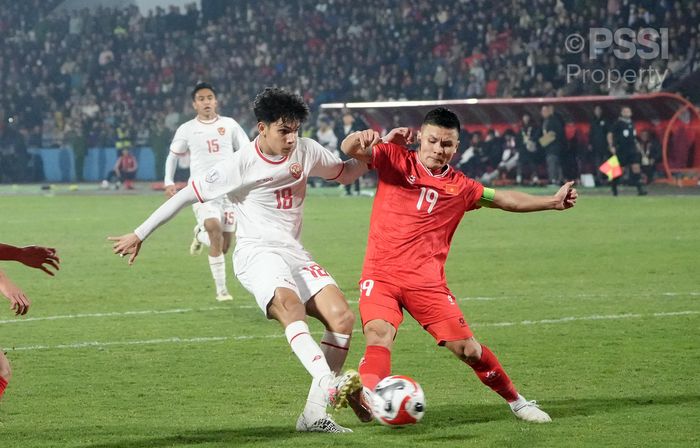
487,196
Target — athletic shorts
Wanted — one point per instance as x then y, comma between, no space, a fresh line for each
435,309
262,270
219,208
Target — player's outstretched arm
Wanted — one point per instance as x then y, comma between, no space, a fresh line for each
19,302
358,145
169,178
516,201
130,244
32,256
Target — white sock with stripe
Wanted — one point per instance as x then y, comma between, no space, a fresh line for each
335,346
218,272
313,360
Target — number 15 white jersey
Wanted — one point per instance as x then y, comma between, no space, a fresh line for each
267,192
208,142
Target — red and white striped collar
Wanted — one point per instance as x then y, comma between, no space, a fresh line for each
443,174
264,157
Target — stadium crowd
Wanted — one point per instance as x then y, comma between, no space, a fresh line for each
90,78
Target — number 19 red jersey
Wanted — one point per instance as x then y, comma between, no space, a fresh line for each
414,217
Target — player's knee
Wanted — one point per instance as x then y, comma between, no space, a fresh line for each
467,350
345,320
378,332
213,227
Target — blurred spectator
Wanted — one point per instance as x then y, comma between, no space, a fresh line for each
530,153
342,130
508,162
598,141
13,151
650,149
553,140
124,172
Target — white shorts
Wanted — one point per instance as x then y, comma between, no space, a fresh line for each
219,208
262,270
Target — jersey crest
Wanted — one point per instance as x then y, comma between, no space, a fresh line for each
222,131
295,170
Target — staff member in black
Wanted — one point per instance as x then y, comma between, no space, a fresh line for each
622,141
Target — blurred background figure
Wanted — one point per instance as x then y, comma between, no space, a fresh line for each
347,126
123,173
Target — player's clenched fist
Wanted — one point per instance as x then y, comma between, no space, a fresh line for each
368,138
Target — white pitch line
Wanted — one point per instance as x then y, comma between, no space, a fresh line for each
111,314
196,340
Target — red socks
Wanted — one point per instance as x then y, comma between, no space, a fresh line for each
375,365
491,373
3,385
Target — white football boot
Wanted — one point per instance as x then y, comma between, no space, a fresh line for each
339,388
223,296
529,411
196,246
323,424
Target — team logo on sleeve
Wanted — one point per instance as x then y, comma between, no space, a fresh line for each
212,176
295,170
222,131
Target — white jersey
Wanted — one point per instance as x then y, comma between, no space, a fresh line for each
208,143
268,193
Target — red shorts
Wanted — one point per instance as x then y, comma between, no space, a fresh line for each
436,309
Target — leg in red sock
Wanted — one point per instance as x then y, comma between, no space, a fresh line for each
375,365
486,367
491,373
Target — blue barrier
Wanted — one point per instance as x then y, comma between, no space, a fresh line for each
59,163
99,161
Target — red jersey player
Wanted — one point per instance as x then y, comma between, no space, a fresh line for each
420,201
32,256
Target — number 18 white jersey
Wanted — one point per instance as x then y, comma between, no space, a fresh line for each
268,193
208,142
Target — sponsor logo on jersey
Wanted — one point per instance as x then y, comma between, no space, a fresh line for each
212,176
462,322
411,179
264,179
450,299
451,189
316,358
222,131
295,170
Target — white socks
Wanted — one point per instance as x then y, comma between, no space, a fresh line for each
218,271
306,349
335,346
313,360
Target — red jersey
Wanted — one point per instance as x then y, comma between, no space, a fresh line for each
127,163
414,216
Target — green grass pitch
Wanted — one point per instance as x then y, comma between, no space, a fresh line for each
593,312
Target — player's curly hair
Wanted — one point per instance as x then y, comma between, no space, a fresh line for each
442,117
273,104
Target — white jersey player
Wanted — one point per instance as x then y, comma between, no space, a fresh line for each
208,139
266,182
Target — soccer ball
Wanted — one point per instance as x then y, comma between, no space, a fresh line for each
398,400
